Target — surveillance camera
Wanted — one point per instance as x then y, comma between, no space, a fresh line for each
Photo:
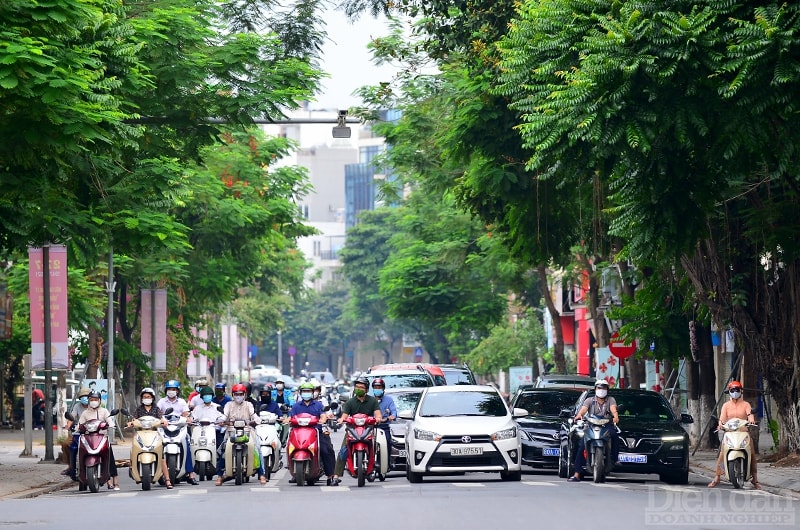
342,113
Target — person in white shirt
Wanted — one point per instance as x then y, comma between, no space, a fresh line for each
179,408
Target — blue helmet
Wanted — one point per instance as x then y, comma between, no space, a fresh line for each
173,383
220,386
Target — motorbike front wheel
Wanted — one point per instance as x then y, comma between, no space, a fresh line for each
267,467
300,472
147,477
361,468
172,467
736,472
238,467
93,478
599,464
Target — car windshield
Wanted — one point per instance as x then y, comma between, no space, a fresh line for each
643,407
457,377
405,380
546,403
406,402
471,403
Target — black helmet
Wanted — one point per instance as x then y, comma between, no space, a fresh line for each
361,381
94,394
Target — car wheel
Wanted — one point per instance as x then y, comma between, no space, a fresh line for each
414,478
563,465
679,477
511,476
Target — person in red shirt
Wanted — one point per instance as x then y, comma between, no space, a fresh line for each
38,409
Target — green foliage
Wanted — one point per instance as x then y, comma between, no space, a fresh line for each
509,344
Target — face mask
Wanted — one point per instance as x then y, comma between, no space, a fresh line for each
219,393
238,399
147,401
360,392
601,392
279,386
267,399
377,392
172,393
84,401
736,394
94,404
306,396
207,398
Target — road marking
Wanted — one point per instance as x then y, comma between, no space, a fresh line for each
202,491
468,485
126,494
603,485
266,489
396,486
338,488
538,483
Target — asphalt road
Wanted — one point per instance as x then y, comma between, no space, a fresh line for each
472,501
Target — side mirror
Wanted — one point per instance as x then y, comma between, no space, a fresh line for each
168,411
125,412
220,408
519,413
68,415
262,408
334,405
114,412
686,418
326,409
407,415
565,413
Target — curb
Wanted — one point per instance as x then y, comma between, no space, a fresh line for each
36,492
708,471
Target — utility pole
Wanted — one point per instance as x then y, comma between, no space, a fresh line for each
110,288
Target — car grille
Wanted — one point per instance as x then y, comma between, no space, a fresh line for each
476,439
546,439
485,460
644,445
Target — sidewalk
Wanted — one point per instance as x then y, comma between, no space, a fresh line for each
781,480
27,476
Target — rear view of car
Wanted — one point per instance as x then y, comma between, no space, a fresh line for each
401,375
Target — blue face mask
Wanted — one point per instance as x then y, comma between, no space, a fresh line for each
306,396
377,392
207,398
84,401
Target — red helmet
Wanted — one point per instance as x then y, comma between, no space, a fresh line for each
238,387
734,384
378,382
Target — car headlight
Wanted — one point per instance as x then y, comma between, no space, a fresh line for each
505,434
674,438
428,436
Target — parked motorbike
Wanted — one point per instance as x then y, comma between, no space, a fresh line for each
597,439
360,443
737,452
94,454
240,462
146,451
269,442
173,437
302,450
203,443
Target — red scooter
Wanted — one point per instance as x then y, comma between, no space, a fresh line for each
360,436
93,454
302,449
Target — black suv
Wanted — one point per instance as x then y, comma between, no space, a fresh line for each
541,445
652,438
457,374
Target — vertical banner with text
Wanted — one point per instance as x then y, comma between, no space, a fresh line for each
154,303
6,312
59,325
197,363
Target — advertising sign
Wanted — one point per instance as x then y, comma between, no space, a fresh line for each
59,326
519,375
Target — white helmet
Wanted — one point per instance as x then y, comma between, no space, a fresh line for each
601,383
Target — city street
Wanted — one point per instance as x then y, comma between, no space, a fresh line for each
476,501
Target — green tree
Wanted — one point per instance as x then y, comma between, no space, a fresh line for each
519,343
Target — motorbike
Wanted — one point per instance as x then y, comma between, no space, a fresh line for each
146,451
302,450
597,440
382,450
240,462
203,443
93,454
737,452
360,442
269,442
173,437
332,423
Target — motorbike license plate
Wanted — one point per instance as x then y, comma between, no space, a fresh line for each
551,451
402,453
466,451
632,458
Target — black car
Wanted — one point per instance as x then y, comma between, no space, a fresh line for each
540,428
652,437
405,400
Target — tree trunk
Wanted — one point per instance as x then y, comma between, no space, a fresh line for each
555,317
635,370
93,356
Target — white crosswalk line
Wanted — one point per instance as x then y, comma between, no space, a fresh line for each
126,494
468,484
338,488
538,483
193,491
266,489
395,486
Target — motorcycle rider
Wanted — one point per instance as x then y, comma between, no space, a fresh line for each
317,394
250,399
386,402
97,412
360,403
309,405
194,399
601,404
179,408
265,400
220,397
77,409
146,408
240,409
737,407
280,395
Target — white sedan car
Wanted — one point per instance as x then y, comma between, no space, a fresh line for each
462,428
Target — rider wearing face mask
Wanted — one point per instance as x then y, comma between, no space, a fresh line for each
77,409
147,407
239,409
179,408
737,407
360,403
601,404
309,405
386,403
280,395
97,411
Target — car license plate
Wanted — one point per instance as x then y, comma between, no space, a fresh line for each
551,451
402,453
466,451
632,458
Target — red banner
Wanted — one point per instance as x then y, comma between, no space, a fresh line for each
159,304
59,324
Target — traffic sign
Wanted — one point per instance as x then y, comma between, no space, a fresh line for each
417,354
618,347
292,350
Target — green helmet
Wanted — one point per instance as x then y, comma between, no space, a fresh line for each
307,386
